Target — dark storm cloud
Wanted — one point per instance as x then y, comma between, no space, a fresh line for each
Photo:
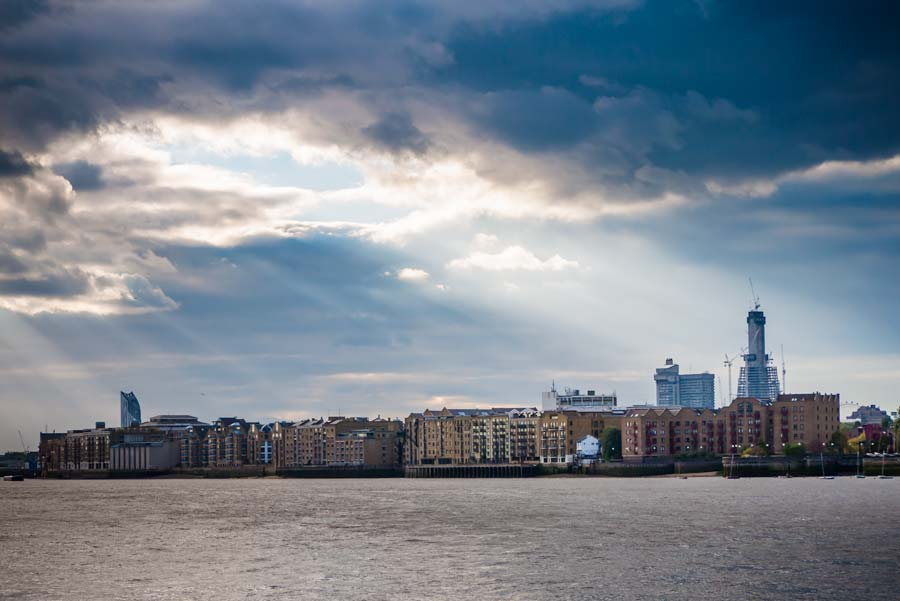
10,263
542,119
16,12
818,88
396,132
13,164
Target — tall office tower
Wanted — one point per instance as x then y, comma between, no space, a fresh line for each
130,409
758,379
675,389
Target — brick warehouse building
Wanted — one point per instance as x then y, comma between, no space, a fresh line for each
500,435
805,419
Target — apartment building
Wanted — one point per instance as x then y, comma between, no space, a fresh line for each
88,449
337,441
228,443
805,419
194,450
52,452
560,432
501,435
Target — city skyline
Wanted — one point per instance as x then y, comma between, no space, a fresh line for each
367,210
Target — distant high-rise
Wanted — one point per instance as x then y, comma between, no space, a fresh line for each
675,389
130,409
758,379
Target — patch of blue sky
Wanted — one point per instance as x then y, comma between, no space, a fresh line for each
279,169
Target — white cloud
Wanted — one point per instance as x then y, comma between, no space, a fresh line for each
411,274
512,258
830,171
874,175
485,241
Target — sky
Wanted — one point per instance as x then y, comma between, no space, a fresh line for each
296,209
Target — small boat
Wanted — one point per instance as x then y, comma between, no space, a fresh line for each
14,478
826,477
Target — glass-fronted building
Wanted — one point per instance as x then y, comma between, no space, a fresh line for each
674,389
129,409
758,378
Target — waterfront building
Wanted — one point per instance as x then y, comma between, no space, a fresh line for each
574,400
500,435
587,449
259,444
561,431
674,389
88,449
524,424
337,441
129,409
52,452
367,447
194,450
458,436
349,448
384,448
226,443
758,378
144,453
798,419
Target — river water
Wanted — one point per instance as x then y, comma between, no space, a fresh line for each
529,539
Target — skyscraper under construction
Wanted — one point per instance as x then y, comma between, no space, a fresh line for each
758,378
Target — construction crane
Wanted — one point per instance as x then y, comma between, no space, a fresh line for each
728,364
25,447
753,298
783,372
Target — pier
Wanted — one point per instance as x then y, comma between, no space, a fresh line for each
499,470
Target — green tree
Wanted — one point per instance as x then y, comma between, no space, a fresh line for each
837,443
612,444
793,450
896,434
